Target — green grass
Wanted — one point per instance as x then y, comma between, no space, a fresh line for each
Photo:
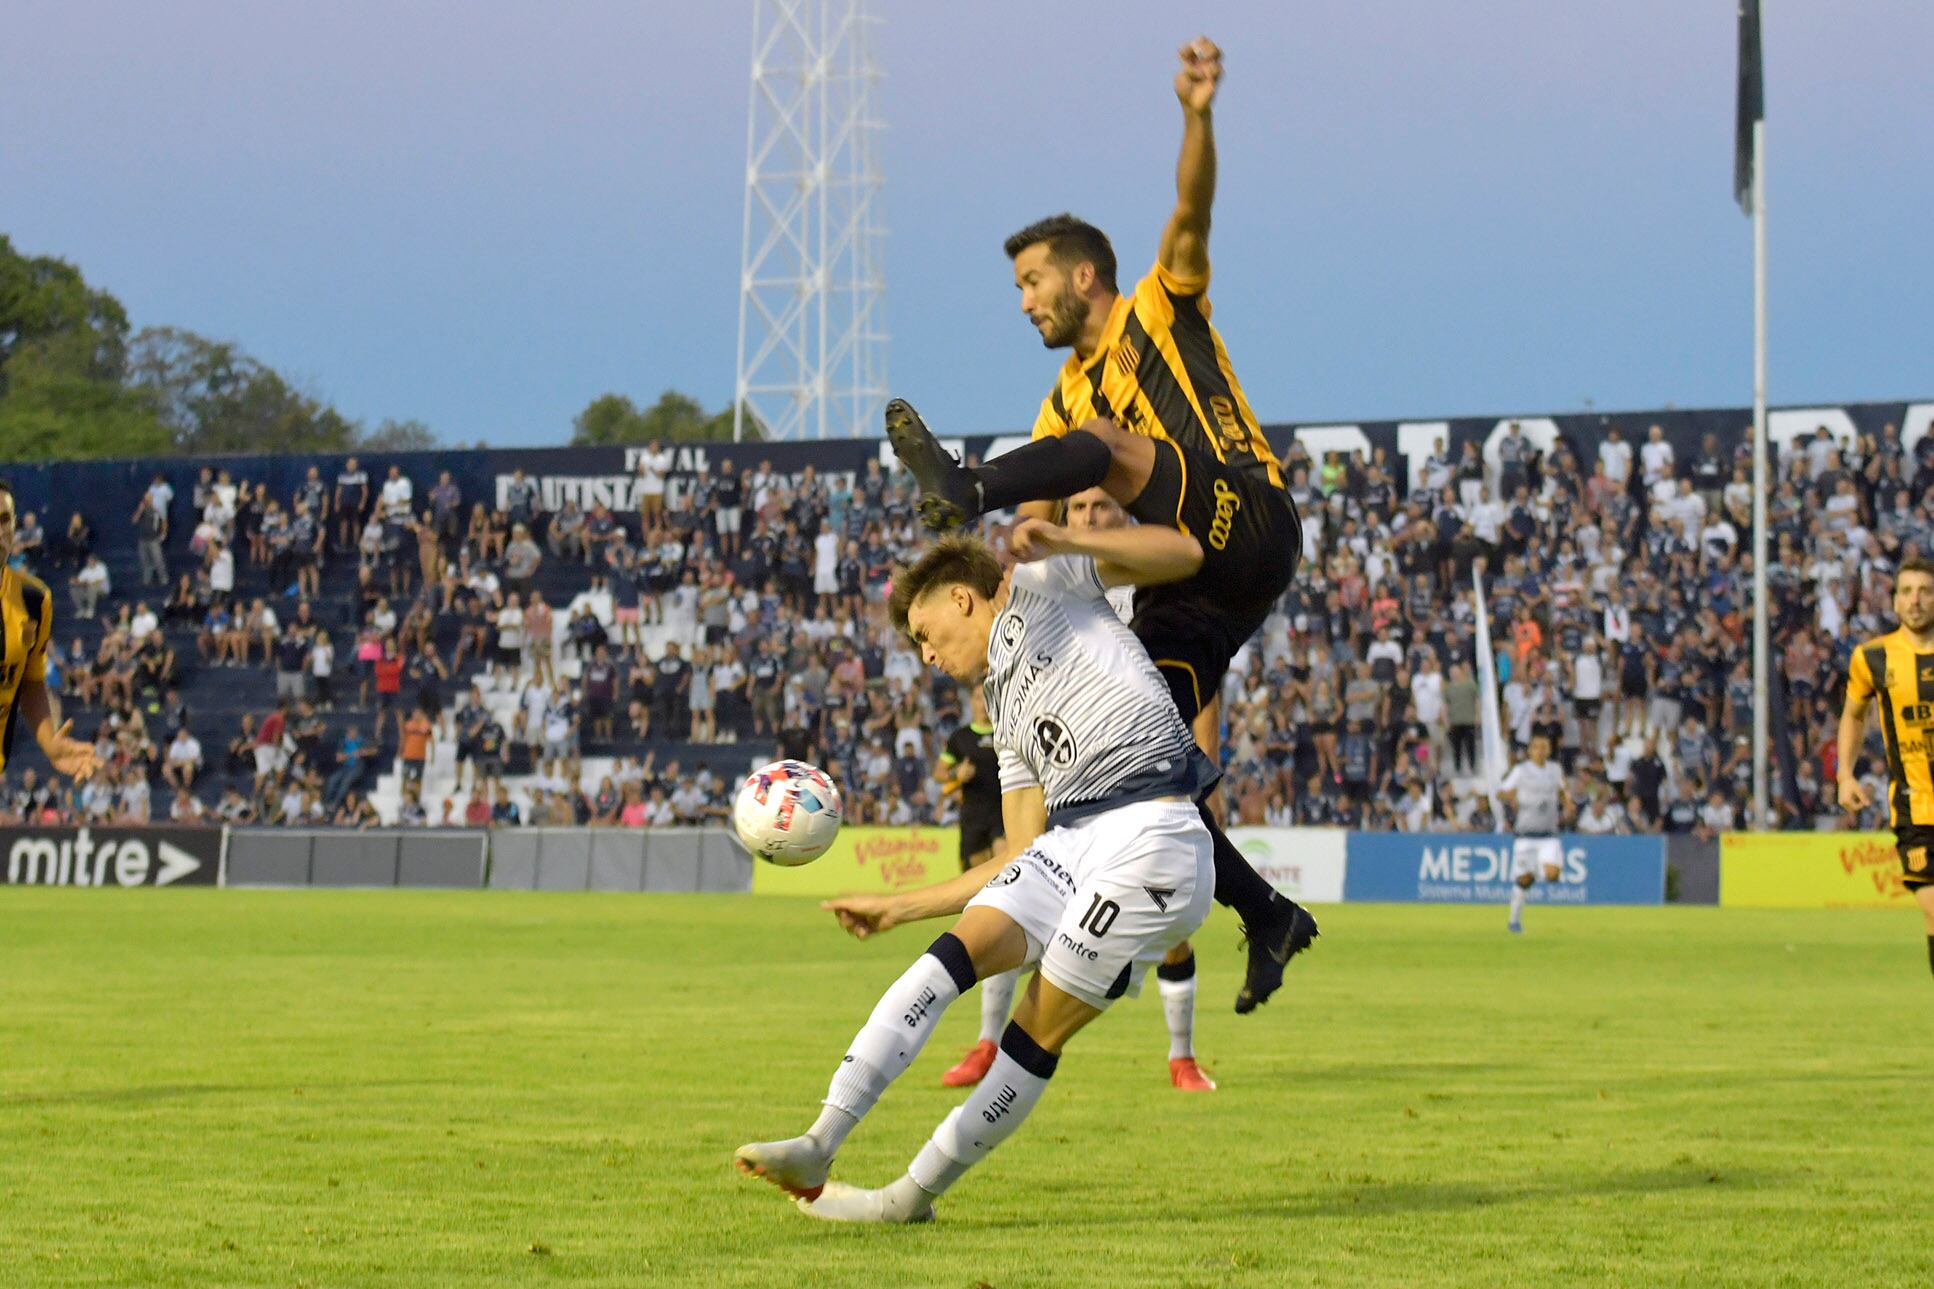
213,1088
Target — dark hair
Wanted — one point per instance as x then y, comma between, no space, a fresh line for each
1918,564
951,561
1070,242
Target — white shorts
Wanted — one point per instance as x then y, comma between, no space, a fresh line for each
1103,898
1535,854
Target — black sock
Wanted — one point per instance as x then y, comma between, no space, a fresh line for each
1930,953
1237,885
1044,470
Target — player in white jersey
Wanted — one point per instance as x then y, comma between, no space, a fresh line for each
1108,864
1535,790
1088,511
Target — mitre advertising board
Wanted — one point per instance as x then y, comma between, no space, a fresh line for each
111,856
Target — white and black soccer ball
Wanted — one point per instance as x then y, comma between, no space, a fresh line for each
787,813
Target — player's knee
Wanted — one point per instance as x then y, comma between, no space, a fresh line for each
1104,429
1524,880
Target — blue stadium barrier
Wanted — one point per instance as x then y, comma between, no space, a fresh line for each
1475,868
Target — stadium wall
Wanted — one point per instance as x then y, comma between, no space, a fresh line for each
106,490
1317,865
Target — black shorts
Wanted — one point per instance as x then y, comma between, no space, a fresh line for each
1251,539
1914,844
978,833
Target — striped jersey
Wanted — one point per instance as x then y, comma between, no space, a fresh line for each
1078,708
1161,371
1900,681
1538,788
26,625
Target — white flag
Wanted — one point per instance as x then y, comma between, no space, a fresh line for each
1496,762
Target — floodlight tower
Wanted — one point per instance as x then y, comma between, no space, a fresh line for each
812,348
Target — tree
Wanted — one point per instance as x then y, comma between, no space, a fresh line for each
214,398
63,354
400,436
613,420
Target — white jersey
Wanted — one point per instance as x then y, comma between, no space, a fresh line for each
1122,600
1078,708
1538,788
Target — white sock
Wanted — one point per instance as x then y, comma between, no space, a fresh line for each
893,1035
996,1000
989,1115
1517,901
1178,1005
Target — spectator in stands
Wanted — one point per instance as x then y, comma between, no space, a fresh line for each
89,586
521,561
183,760
356,812
350,503
29,542
292,665
509,658
387,671
565,537
419,744
79,541
521,500
600,677
654,470
268,742
446,512
150,522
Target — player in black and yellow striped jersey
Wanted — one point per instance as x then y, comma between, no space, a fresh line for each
26,625
1148,408
1895,672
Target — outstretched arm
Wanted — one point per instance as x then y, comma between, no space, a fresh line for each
1138,555
1184,250
1024,815
41,712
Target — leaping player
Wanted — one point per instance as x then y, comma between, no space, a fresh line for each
26,625
1148,408
1536,792
1111,864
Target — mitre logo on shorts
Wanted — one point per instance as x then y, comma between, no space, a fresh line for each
1054,741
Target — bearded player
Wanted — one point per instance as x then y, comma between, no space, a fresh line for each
26,625
1148,408
1895,673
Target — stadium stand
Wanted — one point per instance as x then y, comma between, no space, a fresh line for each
251,638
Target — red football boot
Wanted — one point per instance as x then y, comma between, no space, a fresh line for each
972,1068
1185,1074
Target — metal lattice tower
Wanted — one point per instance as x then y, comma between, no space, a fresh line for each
812,352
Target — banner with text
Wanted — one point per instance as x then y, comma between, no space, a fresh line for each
867,861
1810,870
1475,868
111,856
1306,864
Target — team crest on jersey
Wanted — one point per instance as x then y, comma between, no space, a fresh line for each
1012,625
1056,744
1008,876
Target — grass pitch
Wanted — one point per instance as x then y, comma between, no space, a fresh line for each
212,1088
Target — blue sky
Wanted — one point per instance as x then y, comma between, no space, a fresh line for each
482,215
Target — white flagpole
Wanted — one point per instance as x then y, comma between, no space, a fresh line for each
1762,648
1487,703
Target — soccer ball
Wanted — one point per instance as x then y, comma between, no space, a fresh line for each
787,813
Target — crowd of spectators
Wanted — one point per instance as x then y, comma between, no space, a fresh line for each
746,606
